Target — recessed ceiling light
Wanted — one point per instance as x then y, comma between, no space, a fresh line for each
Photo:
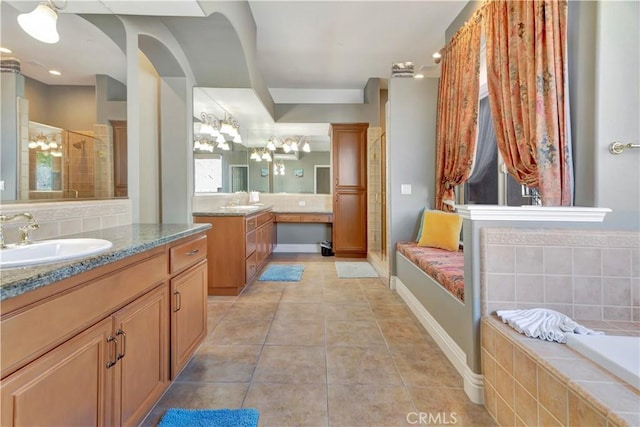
55,72
436,55
418,76
5,50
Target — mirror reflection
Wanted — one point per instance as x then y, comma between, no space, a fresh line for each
266,157
64,116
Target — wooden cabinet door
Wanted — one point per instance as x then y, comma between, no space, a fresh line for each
142,368
349,143
349,230
69,386
349,148
120,158
188,315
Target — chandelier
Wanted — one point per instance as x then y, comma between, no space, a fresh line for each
47,144
214,133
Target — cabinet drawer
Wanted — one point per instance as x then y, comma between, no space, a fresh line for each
251,266
251,223
250,243
31,332
326,218
188,253
288,218
264,218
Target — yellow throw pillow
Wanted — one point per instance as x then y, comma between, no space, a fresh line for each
441,230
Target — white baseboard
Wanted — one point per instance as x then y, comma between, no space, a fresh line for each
473,383
311,248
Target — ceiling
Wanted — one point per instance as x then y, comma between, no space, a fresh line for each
322,48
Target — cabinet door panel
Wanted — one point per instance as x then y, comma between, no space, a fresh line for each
69,386
349,155
142,374
188,315
349,229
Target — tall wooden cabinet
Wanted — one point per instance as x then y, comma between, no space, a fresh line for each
349,151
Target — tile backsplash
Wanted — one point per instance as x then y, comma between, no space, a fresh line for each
63,218
586,274
281,202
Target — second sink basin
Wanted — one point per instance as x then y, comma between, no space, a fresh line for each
48,251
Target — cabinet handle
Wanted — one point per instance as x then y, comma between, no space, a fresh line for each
124,344
113,339
178,301
193,252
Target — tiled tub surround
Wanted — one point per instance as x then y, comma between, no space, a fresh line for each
69,217
280,202
532,382
585,274
127,240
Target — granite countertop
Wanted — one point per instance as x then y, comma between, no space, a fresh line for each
127,240
232,211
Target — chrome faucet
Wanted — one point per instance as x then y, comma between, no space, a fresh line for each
24,237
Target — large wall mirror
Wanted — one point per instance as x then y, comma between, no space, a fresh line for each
267,157
63,111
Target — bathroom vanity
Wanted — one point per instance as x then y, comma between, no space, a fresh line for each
97,341
239,244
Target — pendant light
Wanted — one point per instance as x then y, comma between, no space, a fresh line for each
41,22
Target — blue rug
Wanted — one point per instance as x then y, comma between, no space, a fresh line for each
282,273
210,418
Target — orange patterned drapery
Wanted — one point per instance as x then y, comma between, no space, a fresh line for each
527,82
457,125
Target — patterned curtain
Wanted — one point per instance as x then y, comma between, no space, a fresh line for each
457,125
528,93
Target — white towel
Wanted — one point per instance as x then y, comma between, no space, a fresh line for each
543,323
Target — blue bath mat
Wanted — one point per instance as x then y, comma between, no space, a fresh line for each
209,418
282,273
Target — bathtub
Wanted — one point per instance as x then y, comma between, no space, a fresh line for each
620,355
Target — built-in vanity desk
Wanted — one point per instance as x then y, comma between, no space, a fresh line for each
97,341
310,217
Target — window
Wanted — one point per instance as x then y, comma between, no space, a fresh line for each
490,183
208,173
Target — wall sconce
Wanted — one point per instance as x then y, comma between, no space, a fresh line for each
210,124
41,22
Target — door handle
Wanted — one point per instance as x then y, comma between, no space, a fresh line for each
124,344
112,339
178,301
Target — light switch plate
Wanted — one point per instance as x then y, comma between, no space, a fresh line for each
405,189
302,203
1,185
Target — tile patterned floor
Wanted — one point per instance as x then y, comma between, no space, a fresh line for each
321,352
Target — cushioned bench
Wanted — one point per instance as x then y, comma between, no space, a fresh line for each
446,267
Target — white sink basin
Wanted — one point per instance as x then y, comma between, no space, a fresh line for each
47,251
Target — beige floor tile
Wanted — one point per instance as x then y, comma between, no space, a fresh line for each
449,406
240,332
366,405
423,365
198,396
361,365
296,332
353,333
400,332
221,363
215,312
299,311
302,294
291,365
277,345
251,310
347,311
288,404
